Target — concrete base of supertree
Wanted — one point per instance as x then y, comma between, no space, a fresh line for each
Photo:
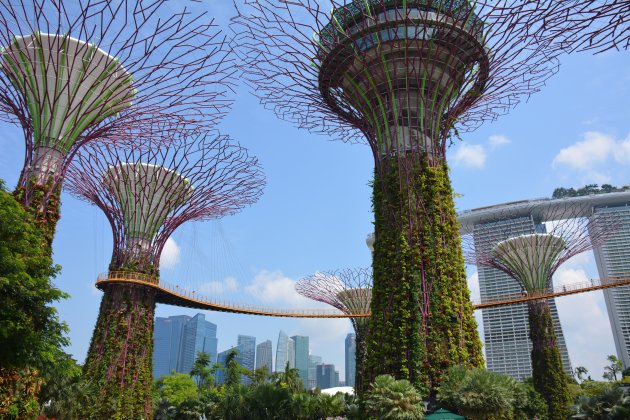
422,320
549,377
120,358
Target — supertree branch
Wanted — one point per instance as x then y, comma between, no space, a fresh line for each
532,259
596,26
73,72
146,193
350,291
296,55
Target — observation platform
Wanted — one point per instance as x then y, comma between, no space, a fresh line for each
170,294
541,208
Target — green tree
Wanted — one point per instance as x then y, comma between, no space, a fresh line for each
580,372
176,388
615,367
289,379
31,334
202,372
389,398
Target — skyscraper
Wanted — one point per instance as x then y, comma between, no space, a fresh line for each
282,351
264,356
506,328
166,344
246,354
326,377
351,360
313,361
291,353
301,356
177,341
613,258
198,335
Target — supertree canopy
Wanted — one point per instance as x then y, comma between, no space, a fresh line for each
73,72
532,259
146,193
597,26
350,291
406,77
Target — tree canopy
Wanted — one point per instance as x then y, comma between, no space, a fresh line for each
587,190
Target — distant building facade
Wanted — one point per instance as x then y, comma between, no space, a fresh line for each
313,361
301,344
327,377
282,351
613,259
264,356
246,354
350,359
177,341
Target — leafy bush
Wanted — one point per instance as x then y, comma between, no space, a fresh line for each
393,399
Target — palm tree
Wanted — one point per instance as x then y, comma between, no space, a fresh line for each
615,367
580,372
393,399
290,379
200,371
232,369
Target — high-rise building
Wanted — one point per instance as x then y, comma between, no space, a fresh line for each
246,346
313,361
166,344
327,377
351,360
177,341
613,259
198,335
291,353
282,351
301,356
221,359
264,356
506,328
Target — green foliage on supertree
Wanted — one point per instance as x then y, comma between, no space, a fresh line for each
44,205
422,320
120,358
31,334
548,375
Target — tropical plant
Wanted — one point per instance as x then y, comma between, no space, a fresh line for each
176,388
389,398
580,372
484,395
612,404
613,369
201,372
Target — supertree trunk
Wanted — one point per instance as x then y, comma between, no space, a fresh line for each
44,203
418,270
549,377
119,361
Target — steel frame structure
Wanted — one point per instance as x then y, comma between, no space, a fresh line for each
146,193
405,77
75,72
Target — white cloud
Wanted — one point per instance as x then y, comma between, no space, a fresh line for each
170,254
622,151
498,141
473,286
213,288
472,156
273,287
596,148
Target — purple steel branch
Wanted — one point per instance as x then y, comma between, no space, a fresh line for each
178,61
196,177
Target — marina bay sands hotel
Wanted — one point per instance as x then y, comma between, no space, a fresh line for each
506,331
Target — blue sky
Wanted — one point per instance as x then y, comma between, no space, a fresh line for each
315,212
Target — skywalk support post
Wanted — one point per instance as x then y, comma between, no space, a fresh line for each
405,77
74,72
146,194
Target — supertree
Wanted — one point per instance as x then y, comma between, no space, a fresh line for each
146,193
72,72
597,26
532,259
350,291
406,77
